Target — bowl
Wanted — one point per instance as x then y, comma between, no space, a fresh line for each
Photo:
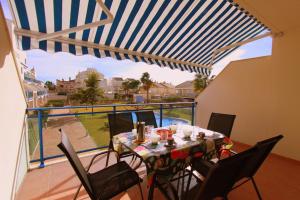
154,138
164,133
187,133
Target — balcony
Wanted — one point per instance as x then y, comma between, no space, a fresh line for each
262,91
87,126
58,181
51,176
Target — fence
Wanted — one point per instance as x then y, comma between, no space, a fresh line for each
88,127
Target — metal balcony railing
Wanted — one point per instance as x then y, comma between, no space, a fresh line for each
38,117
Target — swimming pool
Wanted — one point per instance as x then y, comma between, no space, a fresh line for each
166,120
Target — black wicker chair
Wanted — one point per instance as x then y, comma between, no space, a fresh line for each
221,177
221,123
119,123
263,149
103,184
146,116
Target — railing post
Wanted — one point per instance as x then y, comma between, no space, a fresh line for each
40,123
160,115
114,109
193,113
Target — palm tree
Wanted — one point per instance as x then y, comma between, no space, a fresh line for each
147,83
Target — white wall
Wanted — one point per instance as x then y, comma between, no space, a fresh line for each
12,107
264,93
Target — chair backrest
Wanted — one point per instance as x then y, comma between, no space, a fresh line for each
223,175
120,123
263,149
70,153
146,116
221,123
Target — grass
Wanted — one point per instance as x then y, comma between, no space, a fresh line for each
56,103
97,127
33,134
97,124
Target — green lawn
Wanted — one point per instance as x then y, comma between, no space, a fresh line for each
33,133
97,127
97,124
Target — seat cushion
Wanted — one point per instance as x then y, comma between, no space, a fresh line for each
106,189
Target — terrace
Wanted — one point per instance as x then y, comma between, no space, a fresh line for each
182,35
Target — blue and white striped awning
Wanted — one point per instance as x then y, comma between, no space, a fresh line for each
180,34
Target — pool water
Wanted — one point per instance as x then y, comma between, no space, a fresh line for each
166,120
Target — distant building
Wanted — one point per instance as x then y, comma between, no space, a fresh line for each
65,87
115,85
35,91
160,90
170,89
186,89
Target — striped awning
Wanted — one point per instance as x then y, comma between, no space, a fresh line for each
180,34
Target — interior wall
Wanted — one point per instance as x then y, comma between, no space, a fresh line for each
263,93
12,106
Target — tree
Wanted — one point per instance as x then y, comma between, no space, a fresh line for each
201,82
134,85
50,85
92,91
147,83
130,85
91,94
126,87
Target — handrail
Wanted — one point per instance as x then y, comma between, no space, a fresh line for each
107,105
40,116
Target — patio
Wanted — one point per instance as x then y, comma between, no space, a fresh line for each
182,35
59,181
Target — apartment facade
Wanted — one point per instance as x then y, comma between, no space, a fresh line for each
65,87
185,89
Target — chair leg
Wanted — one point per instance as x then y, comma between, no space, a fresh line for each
141,191
188,184
182,183
256,188
77,192
107,159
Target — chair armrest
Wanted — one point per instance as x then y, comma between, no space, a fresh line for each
202,167
207,163
99,154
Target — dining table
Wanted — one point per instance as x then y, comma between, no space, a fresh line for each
160,156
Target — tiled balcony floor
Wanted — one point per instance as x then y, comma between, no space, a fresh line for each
278,178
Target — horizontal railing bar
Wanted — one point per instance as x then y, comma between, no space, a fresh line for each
104,112
107,105
62,155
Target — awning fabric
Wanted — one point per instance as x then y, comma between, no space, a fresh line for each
187,31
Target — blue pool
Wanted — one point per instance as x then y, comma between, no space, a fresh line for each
166,120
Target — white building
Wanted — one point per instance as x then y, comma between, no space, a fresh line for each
82,76
115,85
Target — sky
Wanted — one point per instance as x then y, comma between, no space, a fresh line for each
64,65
